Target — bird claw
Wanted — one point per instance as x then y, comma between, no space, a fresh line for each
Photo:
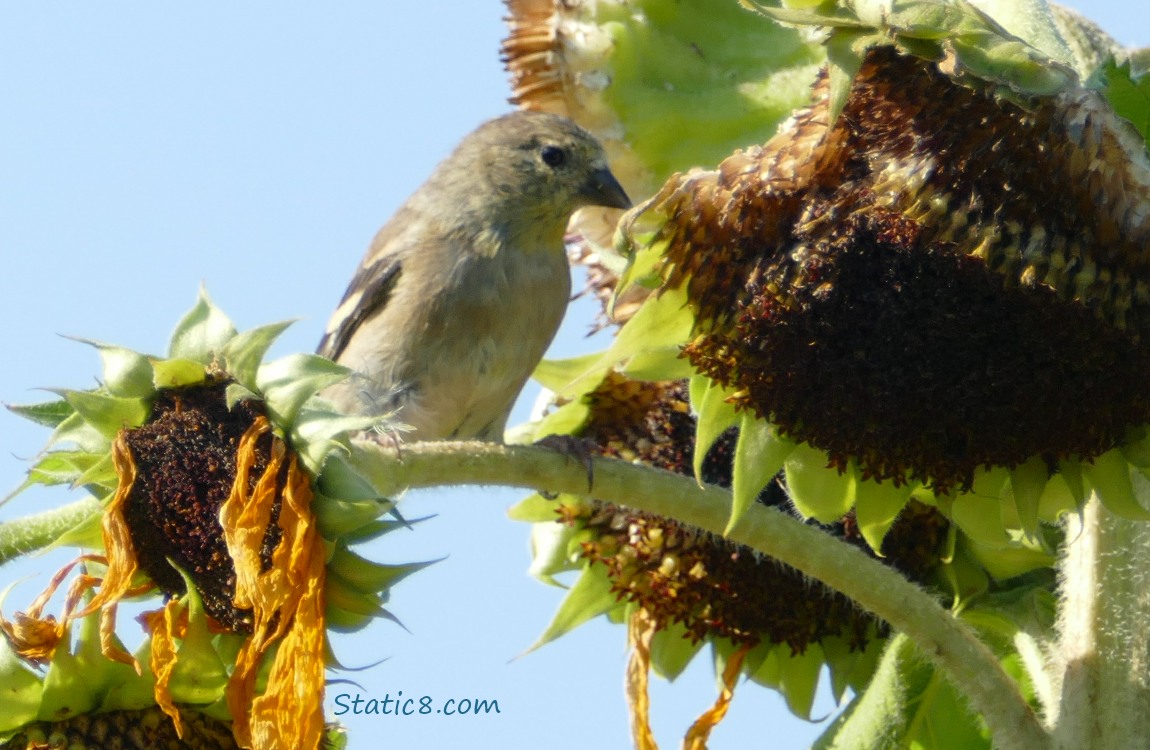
573,448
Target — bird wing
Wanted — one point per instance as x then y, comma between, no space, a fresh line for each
368,293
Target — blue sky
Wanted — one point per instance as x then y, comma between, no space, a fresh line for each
256,147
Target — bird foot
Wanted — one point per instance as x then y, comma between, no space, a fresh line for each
575,449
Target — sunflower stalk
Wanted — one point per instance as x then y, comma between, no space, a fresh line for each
21,536
1101,667
951,644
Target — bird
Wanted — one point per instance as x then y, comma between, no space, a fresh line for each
463,289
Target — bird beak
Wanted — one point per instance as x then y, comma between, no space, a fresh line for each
602,189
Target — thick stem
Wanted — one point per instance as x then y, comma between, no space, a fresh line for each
952,645
1102,657
23,535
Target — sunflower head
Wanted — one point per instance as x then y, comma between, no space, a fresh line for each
224,488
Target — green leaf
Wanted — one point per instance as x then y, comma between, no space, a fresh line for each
1109,475
769,668
287,383
367,576
88,533
48,414
337,518
316,433
22,688
981,518
340,594
590,597
69,687
1027,483
342,621
340,480
759,456
799,678
551,543
1071,472
877,505
672,650
568,419
375,529
1129,95
1004,562
850,668
538,509
880,715
844,58
108,414
200,676
556,374
664,321
714,417
661,363
235,393
126,373
642,264
177,373
202,333
62,467
77,431
1057,499
960,574
100,472
244,352
1136,449
817,491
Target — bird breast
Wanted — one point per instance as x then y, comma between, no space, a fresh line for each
488,343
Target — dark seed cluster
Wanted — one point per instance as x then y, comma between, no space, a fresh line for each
713,587
147,729
186,465
937,282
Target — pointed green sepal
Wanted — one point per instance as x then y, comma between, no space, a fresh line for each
1109,475
202,333
366,576
108,414
672,650
799,679
1027,483
538,509
556,374
981,518
845,50
714,417
49,414
877,506
287,383
178,372
590,597
200,676
759,456
818,491
244,352
126,373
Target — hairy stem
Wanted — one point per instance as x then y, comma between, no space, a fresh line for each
951,644
1102,659
23,535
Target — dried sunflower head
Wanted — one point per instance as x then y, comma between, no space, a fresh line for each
221,489
935,269
902,300
682,588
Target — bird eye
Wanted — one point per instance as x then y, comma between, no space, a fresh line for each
553,156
